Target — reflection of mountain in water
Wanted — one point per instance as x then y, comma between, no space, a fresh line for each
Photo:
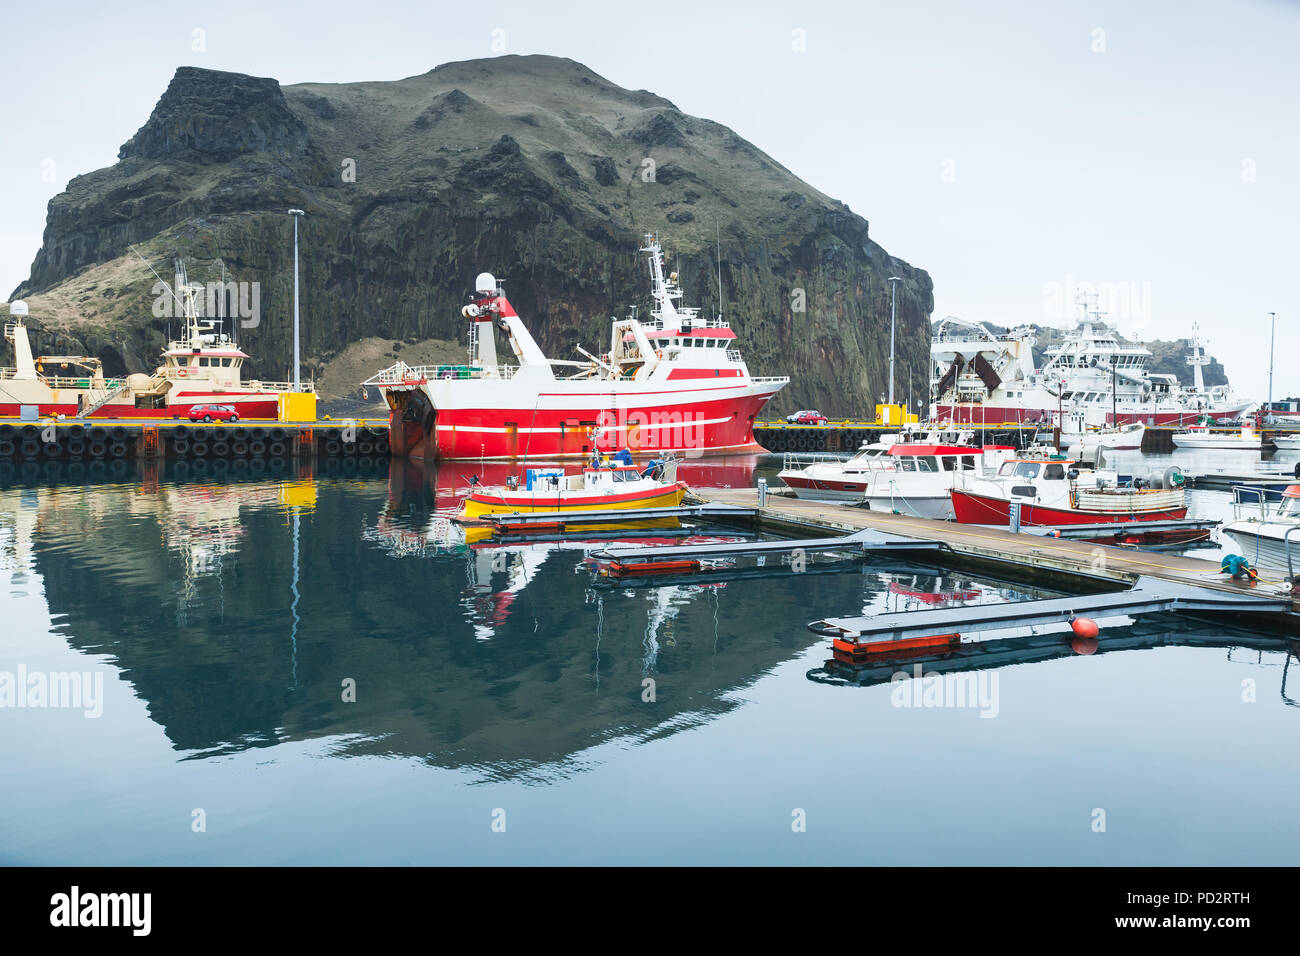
507,660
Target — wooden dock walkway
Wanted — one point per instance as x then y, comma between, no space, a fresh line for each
1021,556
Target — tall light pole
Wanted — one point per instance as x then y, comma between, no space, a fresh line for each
1272,338
893,321
297,214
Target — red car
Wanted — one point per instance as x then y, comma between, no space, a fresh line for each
209,413
807,417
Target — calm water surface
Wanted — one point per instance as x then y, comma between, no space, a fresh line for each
508,684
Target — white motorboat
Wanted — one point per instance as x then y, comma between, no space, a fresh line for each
1287,442
1266,533
1202,436
913,478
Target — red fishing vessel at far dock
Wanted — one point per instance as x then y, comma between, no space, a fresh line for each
676,382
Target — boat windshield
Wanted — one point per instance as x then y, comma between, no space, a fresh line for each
1020,469
1289,508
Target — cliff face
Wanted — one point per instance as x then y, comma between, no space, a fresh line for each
533,168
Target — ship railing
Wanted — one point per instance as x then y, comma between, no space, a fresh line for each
695,322
798,461
403,374
1250,502
282,386
769,379
63,381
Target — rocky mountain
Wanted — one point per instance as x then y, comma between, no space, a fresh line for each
531,167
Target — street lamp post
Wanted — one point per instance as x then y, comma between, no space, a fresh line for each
1272,338
297,382
893,321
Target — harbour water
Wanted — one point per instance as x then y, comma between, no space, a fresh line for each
318,670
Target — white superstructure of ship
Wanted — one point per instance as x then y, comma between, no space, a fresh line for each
982,377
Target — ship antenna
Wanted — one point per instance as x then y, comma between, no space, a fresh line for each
155,272
718,234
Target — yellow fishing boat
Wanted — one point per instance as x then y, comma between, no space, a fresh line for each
604,485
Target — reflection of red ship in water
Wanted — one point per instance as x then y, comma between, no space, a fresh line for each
931,593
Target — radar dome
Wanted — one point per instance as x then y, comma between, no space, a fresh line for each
486,282
18,307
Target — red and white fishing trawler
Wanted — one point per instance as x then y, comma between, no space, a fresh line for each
673,383
203,366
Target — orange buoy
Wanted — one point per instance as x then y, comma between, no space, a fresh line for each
1084,627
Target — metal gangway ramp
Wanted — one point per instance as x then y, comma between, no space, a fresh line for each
861,542
1146,596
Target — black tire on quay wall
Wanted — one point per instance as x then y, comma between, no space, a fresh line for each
333,447
257,448
365,448
239,466
76,447
7,448
180,447
117,449
220,449
257,434
6,432
381,446
30,448
257,466
75,431
275,449
52,449
96,448
199,449
29,432
239,447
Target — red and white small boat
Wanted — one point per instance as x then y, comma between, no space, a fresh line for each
1053,491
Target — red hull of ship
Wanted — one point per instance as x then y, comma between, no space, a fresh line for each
979,509
256,409
999,414
724,426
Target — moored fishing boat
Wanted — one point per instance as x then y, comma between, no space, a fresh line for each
605,484
912,478
203,366
1053,491
1267,534
675,382
1201,436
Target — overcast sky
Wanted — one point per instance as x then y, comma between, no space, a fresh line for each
1009,149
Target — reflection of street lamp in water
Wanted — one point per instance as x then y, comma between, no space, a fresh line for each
297,214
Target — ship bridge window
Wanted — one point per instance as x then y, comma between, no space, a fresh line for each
1054,473
927,464
1024,491
1026,469
907,464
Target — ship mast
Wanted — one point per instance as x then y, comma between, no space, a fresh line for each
1197,359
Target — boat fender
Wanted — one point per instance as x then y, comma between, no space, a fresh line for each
1084,627
1297,469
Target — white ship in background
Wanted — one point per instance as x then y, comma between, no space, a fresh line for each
978,376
